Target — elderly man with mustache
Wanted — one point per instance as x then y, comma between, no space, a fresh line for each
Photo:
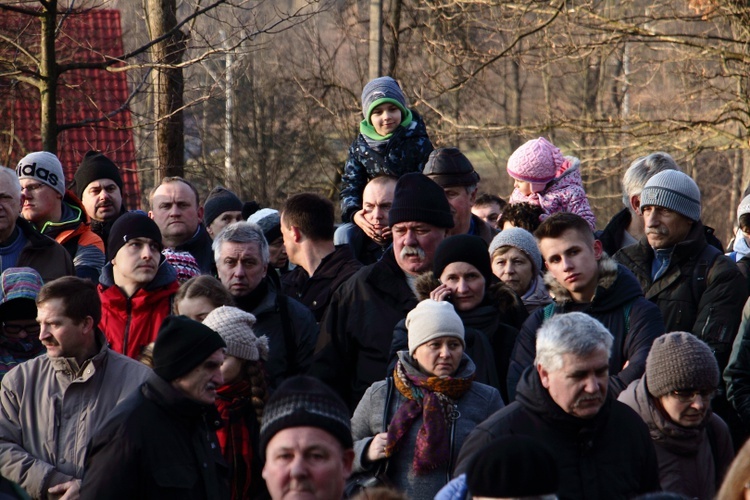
356,330
602,448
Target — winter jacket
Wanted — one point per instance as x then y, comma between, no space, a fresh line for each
713,315
44,254
489,340
199,246
482,229
356,331
685,456
608,456
478,403
51,409
564,193
131,323
619,304
158,444
102,228
456,489
737,373
291,330
406,151
74,233
365,250
315,291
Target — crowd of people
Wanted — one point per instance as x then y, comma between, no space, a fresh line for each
437,343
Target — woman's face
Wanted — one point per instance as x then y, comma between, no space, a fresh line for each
439,357
466,284
231,369
196,308
513,268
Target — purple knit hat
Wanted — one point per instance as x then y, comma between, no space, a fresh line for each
536,162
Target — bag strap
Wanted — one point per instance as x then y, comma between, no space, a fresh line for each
700,272
386,407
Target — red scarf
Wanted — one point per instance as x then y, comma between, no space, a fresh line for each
234,437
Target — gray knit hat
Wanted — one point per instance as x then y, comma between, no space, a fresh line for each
521,239
680,360
269,221
380,90
235,326
673,190
744,207
432,319
44,167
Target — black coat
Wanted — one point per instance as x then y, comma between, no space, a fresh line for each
157,444
609,456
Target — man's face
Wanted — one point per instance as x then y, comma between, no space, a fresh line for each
580,386
176,212
306,462
240,267
687,408
664,228
200,383
414,245
222,221
136,263
460,201
39,201
377,200
278,256
62,337
488,213
573,260
102,199
10,207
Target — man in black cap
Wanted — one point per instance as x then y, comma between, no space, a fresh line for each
98,185
161,441
453,172
305,417
356,331
222,208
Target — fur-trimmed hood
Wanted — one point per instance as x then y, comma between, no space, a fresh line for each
496,294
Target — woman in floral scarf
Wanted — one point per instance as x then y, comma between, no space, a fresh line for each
434,405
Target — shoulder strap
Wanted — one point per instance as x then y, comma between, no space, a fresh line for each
700,272
714,452
290,343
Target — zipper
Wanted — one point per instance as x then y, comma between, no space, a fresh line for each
452,416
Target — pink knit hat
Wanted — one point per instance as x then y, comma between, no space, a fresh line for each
536,162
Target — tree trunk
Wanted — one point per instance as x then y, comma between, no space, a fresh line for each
168,88
48,80
375,63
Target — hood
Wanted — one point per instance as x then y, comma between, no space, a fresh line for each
617,286
569,174
71,216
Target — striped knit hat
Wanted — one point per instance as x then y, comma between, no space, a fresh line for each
19,287
673,190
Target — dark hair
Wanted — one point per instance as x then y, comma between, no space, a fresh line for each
744,221
523,215
168,180
485,199
556,224
204,286
79,297
311,213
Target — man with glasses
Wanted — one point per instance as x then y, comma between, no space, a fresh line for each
693,445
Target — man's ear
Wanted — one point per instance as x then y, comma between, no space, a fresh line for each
543,376
635,203
200,214
296,233
473,197
88,324
598,249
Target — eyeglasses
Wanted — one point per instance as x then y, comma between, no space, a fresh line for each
33,186
15,328
688,396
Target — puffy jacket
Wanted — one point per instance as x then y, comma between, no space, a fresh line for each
51,409
714,316
158,444
634,333
44,254
131,323
406,151
608,456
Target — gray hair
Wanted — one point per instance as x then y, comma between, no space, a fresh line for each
572,333
242,232
641,170
12,178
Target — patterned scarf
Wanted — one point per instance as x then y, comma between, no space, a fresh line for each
431,398
234,403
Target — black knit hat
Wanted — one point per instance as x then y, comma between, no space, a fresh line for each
513,466
128,226
95,166
418,199
220,200
462,248
304,401
678,361
181,345
450,167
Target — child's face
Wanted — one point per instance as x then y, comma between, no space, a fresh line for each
385,118
523,187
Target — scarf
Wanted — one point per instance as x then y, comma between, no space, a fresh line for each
367,129
233,403
433,399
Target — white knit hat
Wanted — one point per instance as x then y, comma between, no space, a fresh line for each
235,326
44,167
744,207
432,319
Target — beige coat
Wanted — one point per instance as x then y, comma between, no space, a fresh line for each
50,409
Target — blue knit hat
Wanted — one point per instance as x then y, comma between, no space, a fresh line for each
380,90
673,190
